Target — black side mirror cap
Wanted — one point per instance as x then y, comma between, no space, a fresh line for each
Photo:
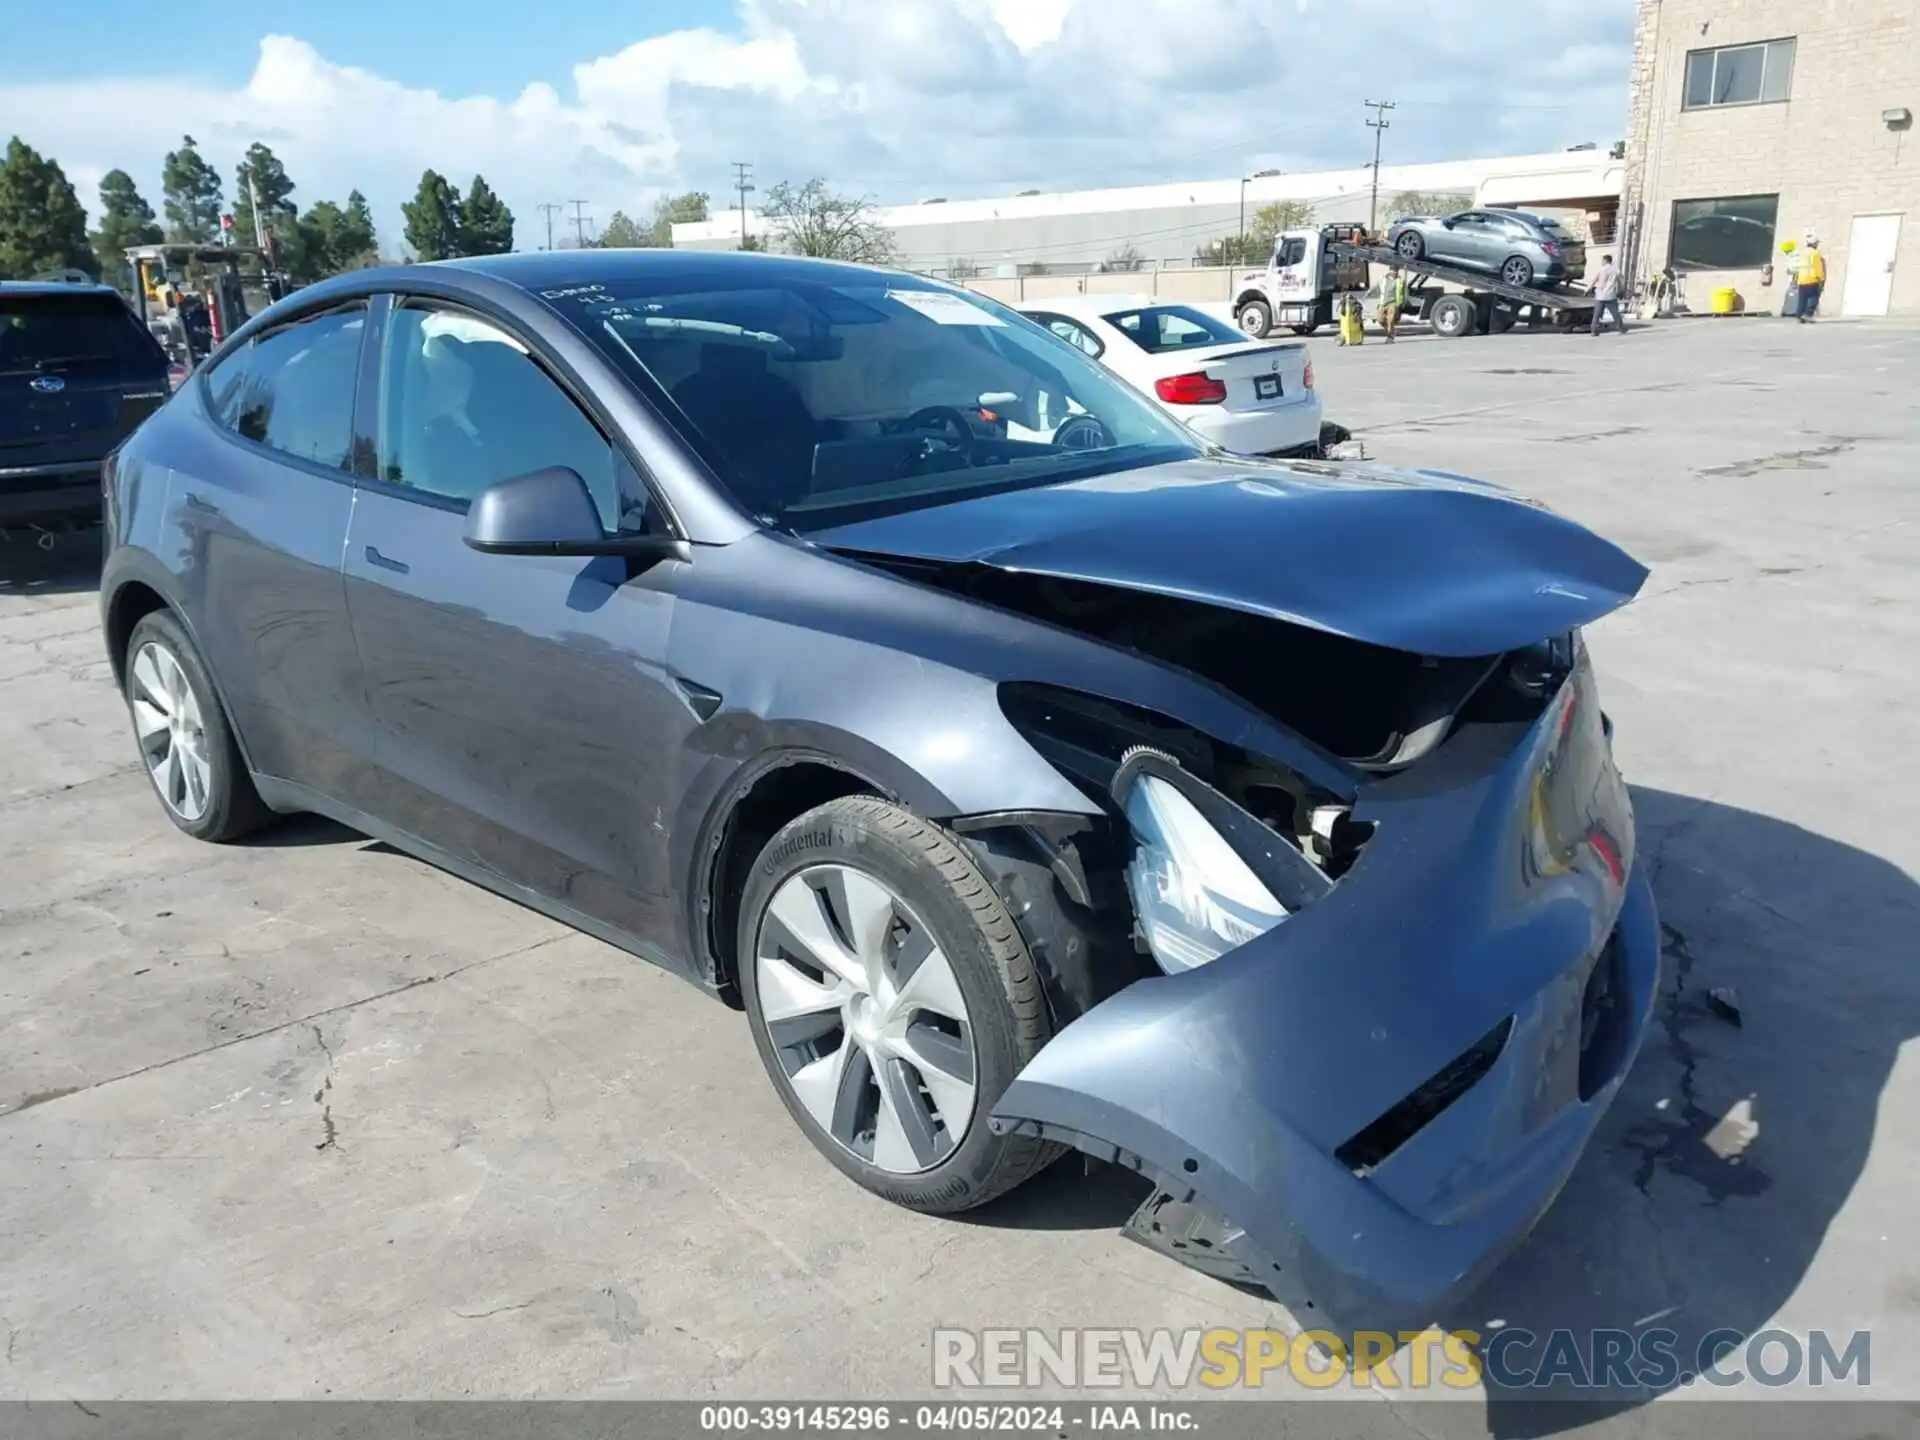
551,512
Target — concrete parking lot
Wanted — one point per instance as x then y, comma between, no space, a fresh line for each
306,1118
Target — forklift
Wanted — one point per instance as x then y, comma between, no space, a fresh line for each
191,297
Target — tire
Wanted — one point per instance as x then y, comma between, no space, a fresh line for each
1500,319
1410,246
1303,330
1452,316
1518,270
183,736
1255,318
861,867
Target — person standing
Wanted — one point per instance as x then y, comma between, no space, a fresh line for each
1606,296
1393,299
1813,279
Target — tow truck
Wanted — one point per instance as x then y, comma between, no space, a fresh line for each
1311,269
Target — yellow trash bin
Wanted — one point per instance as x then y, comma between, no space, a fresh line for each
1726,300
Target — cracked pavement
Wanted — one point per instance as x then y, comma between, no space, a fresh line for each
306,1118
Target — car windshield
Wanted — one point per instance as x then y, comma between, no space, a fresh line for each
824,401
39,330
1160,328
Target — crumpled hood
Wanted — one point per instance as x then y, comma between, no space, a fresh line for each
1417,560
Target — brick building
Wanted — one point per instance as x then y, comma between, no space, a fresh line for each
1751,122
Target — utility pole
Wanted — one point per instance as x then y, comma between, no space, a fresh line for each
579,224
549,210
1379,124
743,185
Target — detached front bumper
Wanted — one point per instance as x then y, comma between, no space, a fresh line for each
1367,1107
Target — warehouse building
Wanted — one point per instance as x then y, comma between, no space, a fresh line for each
1071,233
1753,122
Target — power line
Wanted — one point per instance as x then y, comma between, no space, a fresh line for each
1379,124
548,210
743,185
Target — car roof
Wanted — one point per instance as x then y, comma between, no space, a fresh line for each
54,287
553,269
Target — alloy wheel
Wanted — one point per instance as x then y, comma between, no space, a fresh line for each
867,1018
173,737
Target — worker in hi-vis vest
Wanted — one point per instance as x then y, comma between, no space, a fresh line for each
1813,279
1393,299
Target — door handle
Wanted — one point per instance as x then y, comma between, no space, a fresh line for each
374,557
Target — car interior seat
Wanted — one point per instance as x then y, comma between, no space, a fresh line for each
757,422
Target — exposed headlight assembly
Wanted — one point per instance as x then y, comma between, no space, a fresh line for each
1206,876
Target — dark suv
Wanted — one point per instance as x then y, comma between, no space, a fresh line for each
77,374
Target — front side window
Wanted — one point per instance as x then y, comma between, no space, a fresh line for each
1161,328
1735,233
464,405
1292,250
821,397
291,388
1739,75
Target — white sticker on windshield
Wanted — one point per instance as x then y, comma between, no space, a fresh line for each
944,309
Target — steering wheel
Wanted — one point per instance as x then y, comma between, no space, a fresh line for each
1083,432
946,417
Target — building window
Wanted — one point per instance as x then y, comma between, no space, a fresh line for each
1739,75
1735,233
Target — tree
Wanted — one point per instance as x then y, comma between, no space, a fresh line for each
811,220
126,220
1125,260
433,218
331,239
962,267
687,209
42,224
486,224
623,232
1234,250
190,195
1421,202
751,242
273,190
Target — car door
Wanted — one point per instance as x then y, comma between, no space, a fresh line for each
527,723
1469,240
257,513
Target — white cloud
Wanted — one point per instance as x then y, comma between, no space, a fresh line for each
897,98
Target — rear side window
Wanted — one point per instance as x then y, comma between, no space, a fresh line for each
40,332
292,388
1173,327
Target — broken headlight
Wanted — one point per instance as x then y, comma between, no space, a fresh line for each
1193,896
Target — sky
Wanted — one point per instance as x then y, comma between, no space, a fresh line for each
617,102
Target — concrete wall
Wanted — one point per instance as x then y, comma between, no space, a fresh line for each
1825,150
1194,285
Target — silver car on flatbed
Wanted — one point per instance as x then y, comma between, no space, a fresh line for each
1519,246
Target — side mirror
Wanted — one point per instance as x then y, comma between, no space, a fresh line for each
551,512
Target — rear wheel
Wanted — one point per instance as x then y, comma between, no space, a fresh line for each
1452,316
1517,271
1255,318
1410,246
186,744
1303,329
892,1000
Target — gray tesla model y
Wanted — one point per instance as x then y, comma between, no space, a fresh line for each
1033,776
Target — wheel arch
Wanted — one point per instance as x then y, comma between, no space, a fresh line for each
774,788
134,585
1247,297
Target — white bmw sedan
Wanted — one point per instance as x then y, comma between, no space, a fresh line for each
1253,398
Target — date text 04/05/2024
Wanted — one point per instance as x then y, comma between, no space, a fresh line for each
982,1418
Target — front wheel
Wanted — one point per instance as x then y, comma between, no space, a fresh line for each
892,1000
1255,318
1410,246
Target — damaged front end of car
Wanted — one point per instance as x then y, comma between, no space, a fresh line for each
1352,986
1384,1024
